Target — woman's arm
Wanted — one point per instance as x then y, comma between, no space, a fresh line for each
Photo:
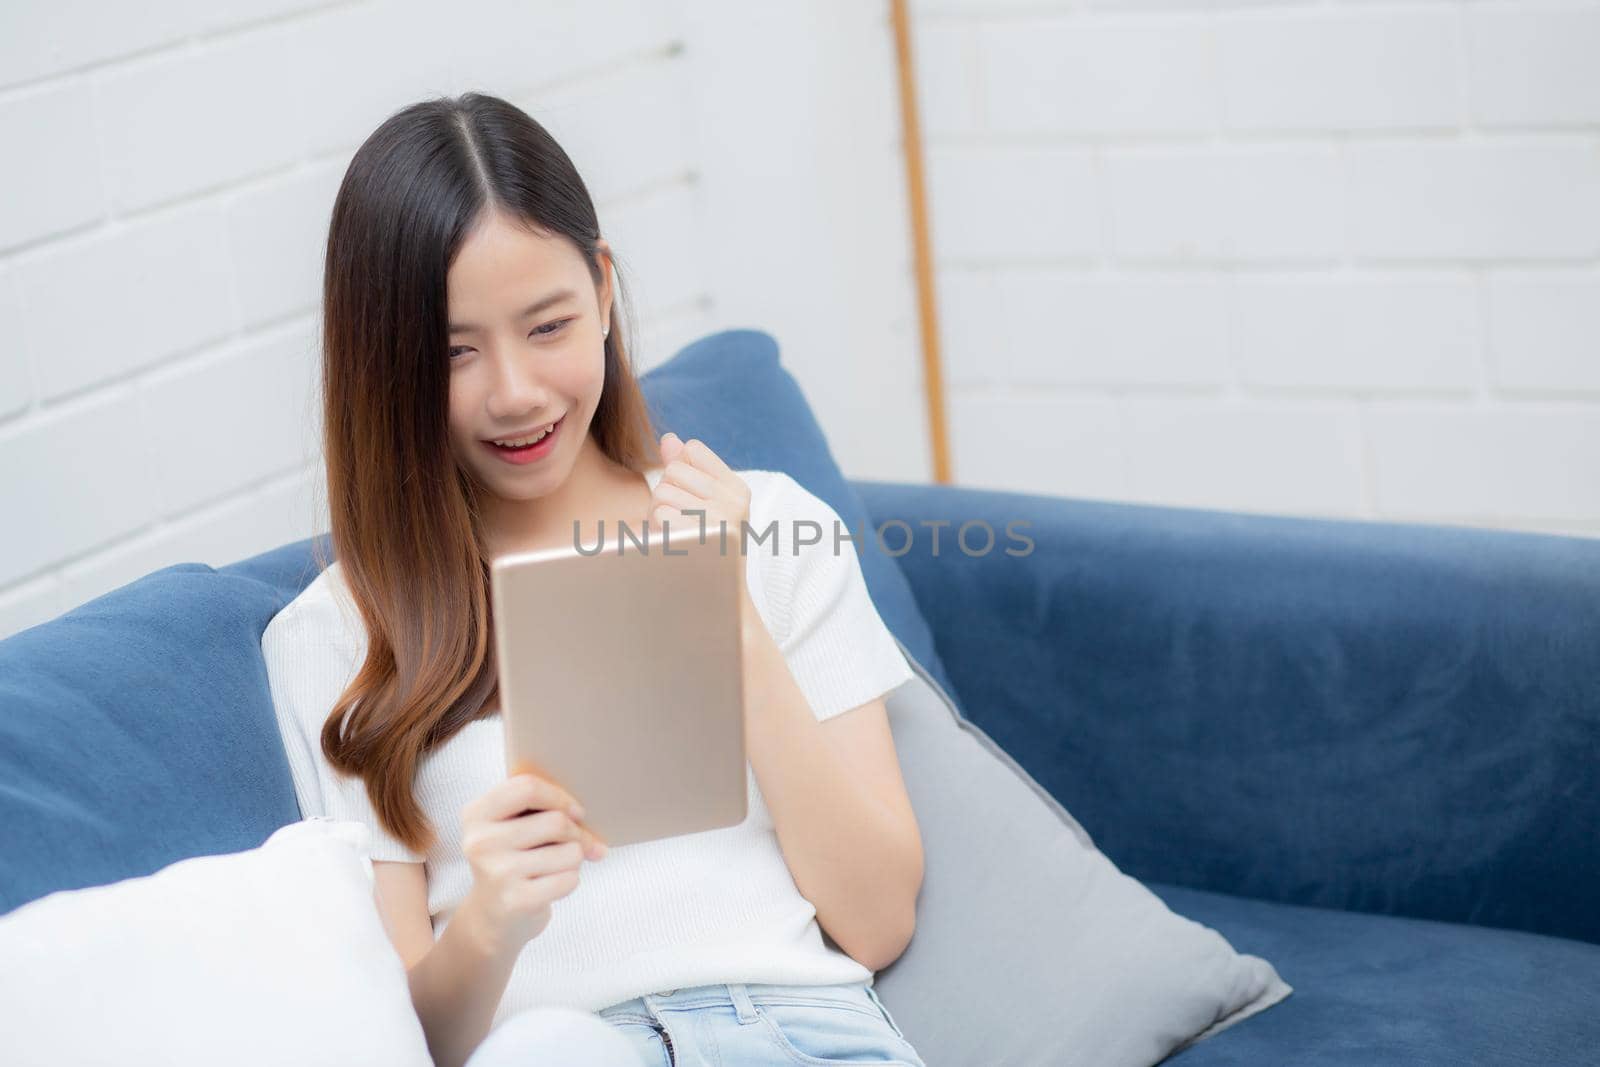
456,981
838,803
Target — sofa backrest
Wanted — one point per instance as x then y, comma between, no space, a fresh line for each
1388,717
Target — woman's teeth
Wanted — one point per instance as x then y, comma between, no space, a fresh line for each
519,442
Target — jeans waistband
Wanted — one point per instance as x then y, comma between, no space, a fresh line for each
739,994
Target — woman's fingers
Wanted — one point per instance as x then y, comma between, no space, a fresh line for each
701,455
543,828
678,497
550,859
520,793
690,478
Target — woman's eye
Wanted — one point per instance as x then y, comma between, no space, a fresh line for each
550,327
540,331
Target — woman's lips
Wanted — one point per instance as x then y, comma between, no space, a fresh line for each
532,453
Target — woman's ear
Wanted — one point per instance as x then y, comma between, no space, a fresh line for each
603,252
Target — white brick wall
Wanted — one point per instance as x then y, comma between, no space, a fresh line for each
163,216
1324,257
1286,255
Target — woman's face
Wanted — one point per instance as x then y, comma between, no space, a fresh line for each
526,351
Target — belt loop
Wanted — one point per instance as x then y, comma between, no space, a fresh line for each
742,1003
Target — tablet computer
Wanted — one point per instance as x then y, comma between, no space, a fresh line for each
621,679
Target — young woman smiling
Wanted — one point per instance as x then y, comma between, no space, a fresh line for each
479,400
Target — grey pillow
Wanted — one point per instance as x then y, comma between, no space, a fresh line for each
1031,947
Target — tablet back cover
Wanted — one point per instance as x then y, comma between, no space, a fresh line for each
621,680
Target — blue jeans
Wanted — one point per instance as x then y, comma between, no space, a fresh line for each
753,1025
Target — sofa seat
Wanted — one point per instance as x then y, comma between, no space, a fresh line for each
1379,989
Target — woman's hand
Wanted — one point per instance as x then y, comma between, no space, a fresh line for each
693,480
524,846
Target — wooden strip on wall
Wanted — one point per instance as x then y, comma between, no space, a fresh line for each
922,244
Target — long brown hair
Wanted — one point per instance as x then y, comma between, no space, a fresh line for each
404,516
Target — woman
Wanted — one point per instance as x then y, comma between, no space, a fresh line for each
479,400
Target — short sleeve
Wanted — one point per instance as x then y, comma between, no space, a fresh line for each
309,663
837,646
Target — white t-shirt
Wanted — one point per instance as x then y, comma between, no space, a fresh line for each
694,909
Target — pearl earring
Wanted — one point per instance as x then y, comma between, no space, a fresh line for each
607,331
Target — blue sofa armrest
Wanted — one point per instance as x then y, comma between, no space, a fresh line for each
1368,716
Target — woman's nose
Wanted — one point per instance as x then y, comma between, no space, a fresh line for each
516,388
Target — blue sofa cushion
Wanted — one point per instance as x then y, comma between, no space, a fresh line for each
138,730
1378,989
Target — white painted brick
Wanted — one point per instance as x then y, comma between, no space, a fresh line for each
1060,328
16,376
1279,458
1099,75
53,182
29,604
625,130
285,511
345,104
1531,461
1535,65
868,101
1191,5
125,297
71,482
1035,444
215,16
920,8
533,44
663,335
1339,70
1013,203
1510,198
655,243
236,529
802,227
1374,332
431,50
976,313
946,58
174,125
235,420
278,236
1226,204
1544,330
44,37
895,373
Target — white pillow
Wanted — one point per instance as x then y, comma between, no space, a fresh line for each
1031,946
275,955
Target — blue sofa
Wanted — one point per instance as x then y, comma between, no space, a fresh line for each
1367,752
1364,752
